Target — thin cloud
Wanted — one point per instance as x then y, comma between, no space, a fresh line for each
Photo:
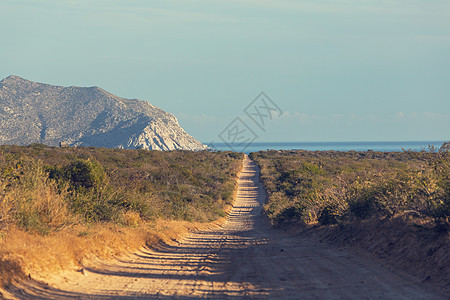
430,115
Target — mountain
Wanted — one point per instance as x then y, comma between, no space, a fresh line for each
32,112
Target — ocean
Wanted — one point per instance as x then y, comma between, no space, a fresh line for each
324,146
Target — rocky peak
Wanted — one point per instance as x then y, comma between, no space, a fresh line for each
32,112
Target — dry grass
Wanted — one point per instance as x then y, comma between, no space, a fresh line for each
131,219
34,201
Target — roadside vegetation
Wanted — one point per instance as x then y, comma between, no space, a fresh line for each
394,206
44,189
330,187
59,206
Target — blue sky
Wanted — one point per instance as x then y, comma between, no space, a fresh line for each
356,70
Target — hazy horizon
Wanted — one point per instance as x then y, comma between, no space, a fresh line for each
383,146
339,71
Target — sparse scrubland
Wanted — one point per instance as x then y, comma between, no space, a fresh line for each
331,187
60,205
393,204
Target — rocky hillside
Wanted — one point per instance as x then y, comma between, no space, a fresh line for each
32,112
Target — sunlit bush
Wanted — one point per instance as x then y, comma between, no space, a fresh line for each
330,187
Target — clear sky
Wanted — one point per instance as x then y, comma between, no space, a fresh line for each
359,70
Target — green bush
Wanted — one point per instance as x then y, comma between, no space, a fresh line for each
81,174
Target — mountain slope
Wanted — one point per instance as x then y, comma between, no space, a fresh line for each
32,112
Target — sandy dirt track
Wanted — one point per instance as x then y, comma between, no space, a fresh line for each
245,258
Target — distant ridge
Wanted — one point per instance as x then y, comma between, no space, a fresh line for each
32,112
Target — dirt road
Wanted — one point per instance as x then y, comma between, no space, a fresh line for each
245,258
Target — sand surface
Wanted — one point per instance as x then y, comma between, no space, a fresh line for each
245,258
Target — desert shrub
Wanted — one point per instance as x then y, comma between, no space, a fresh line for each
31,200
443,171
95,207
5,206
92,196
81,174
290,213
332,213
330,187
364,204
104,185
297,212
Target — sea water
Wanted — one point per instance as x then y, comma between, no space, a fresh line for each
325,146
